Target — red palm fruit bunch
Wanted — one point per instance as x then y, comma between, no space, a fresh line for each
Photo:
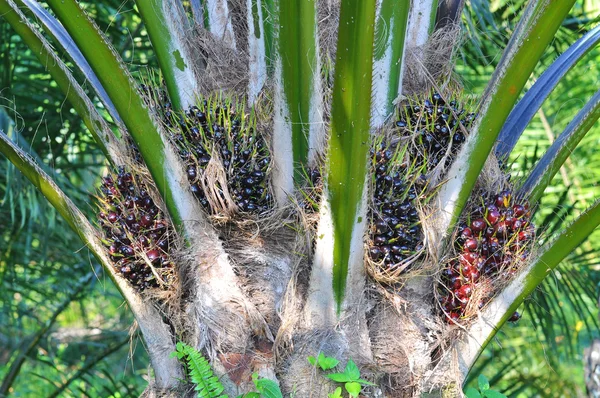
395,232
218,126
136,233
434,125
491,246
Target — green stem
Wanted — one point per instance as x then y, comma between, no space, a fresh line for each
157,152
297,50
536,29
164,29
390,38
348,145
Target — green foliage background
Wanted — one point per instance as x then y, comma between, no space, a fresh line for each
89,351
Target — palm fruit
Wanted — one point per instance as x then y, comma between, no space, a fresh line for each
491,245
135,231
434,125
515,317
216,127
395,232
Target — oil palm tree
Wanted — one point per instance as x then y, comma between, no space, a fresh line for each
284,190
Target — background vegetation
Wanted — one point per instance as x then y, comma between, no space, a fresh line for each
67,325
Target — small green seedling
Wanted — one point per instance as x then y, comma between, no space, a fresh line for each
324,362
350,377
484,390
266,389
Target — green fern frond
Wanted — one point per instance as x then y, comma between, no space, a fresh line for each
200,372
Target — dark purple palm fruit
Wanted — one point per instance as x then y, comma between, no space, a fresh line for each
395,231
493,243
515,317
217,125
135,231
435,126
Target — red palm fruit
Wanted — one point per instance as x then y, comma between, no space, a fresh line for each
466,233
448,305
464,291
493,216
471,274
466,268
471,244
502,228
112,217
463,301
499,201
518,210
517,225
510,221
153,255
523,236
454,316
478,225
145,221
467,258
455,282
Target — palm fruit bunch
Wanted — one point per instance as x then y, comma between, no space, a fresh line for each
434,126
216,127
491,246
395,233
135,231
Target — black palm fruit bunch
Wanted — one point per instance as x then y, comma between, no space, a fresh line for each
396,235
218,129
436,127
135,231
491,245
